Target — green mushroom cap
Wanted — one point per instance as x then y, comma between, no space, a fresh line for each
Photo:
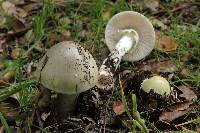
158,84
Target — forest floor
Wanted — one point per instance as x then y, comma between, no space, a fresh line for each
29,28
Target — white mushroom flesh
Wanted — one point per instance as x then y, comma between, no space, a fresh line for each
128,41
110,64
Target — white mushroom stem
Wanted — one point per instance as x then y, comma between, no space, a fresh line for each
127,42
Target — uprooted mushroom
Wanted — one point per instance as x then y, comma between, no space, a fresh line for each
155,91
67,69
129,36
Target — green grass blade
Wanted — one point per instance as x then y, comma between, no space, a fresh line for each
5,124
14,88
134,103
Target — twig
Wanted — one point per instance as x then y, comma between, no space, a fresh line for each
124,100
188,122
186,5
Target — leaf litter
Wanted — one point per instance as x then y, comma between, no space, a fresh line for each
93,114
165,43
118,107
175,111
187,93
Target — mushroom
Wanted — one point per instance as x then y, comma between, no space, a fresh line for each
129,36
155,92
157,84
67,69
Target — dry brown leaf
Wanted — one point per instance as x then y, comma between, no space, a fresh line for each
29,8
17,32
17,2
86,33
18,28
2,130
27,38
9,8
187,93
2,42
8,76
106,15
198,129
8,107
189,58
2,21
16,53
3,83
165,43
21,13
54,37
2,65
66,35
13,11
174,111
118,107
163,66
151,4
184,73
